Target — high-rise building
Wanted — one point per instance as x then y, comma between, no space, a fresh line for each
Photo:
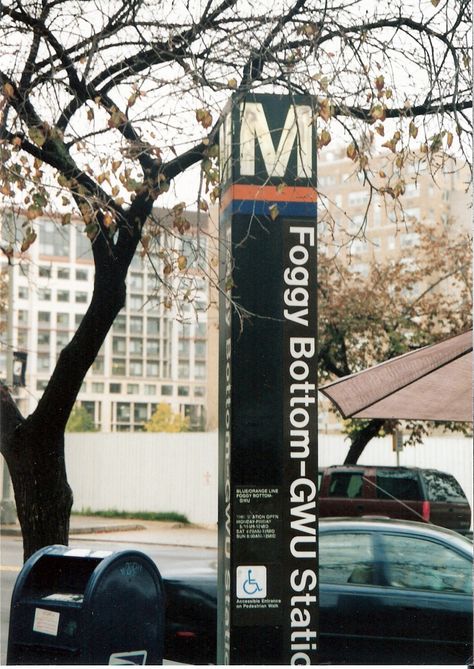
359,223
156,351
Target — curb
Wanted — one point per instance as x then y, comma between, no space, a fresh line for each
16,532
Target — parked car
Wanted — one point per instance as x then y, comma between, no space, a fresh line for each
425,495
391,592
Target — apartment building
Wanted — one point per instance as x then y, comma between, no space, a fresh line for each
157,349
161,354
359,224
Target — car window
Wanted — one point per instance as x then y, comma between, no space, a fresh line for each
397,484
320,478
419,564
443,487
346,484
346,558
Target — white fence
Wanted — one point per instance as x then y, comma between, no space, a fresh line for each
179,472
145,472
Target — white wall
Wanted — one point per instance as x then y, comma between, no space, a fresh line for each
179,472
145,472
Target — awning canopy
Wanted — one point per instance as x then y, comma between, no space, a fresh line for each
431,383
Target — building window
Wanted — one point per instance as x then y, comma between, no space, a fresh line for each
412,213
62,339
153,326
44,294
63,296
115,388
62,321
44,317
78,319
183,391
140,413
358,198
118,366
359,246
119,345
97,387
360,268
41,384
137,262
83,246
63,273
44,272
43,339
201,330
53,241
81,297
123,412
135,282
183,347
200,370
136,368
153,347
133,388
150,389
120,324
136,324
43,362
200,350
82,275
409,239
23,293
183,369
152,369
136,346
23,316
166,390
22,339
98,366
185,330
377,213
199,391
411,190
135,302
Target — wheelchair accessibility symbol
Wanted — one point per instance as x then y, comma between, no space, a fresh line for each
251,582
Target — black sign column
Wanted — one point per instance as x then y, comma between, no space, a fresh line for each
268,593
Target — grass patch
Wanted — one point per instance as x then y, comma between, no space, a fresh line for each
170,516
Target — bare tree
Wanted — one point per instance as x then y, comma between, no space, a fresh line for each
103,105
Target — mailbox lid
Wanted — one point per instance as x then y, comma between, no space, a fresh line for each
124,611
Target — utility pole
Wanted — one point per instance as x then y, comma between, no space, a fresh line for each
7,505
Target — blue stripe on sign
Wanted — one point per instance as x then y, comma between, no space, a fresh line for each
262,208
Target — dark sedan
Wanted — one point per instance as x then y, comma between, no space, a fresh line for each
391,592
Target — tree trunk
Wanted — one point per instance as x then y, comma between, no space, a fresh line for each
361,439
42,494
34,447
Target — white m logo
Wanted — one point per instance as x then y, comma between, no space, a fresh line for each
297,127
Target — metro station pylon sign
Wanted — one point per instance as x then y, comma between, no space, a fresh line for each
268,543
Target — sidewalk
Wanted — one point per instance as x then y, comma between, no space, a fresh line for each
96,528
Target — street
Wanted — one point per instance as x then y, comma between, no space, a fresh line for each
165,557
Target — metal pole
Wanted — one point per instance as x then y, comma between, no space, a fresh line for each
7,507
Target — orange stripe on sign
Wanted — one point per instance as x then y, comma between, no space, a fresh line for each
268,194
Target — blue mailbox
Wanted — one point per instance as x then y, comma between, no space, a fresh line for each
86,606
